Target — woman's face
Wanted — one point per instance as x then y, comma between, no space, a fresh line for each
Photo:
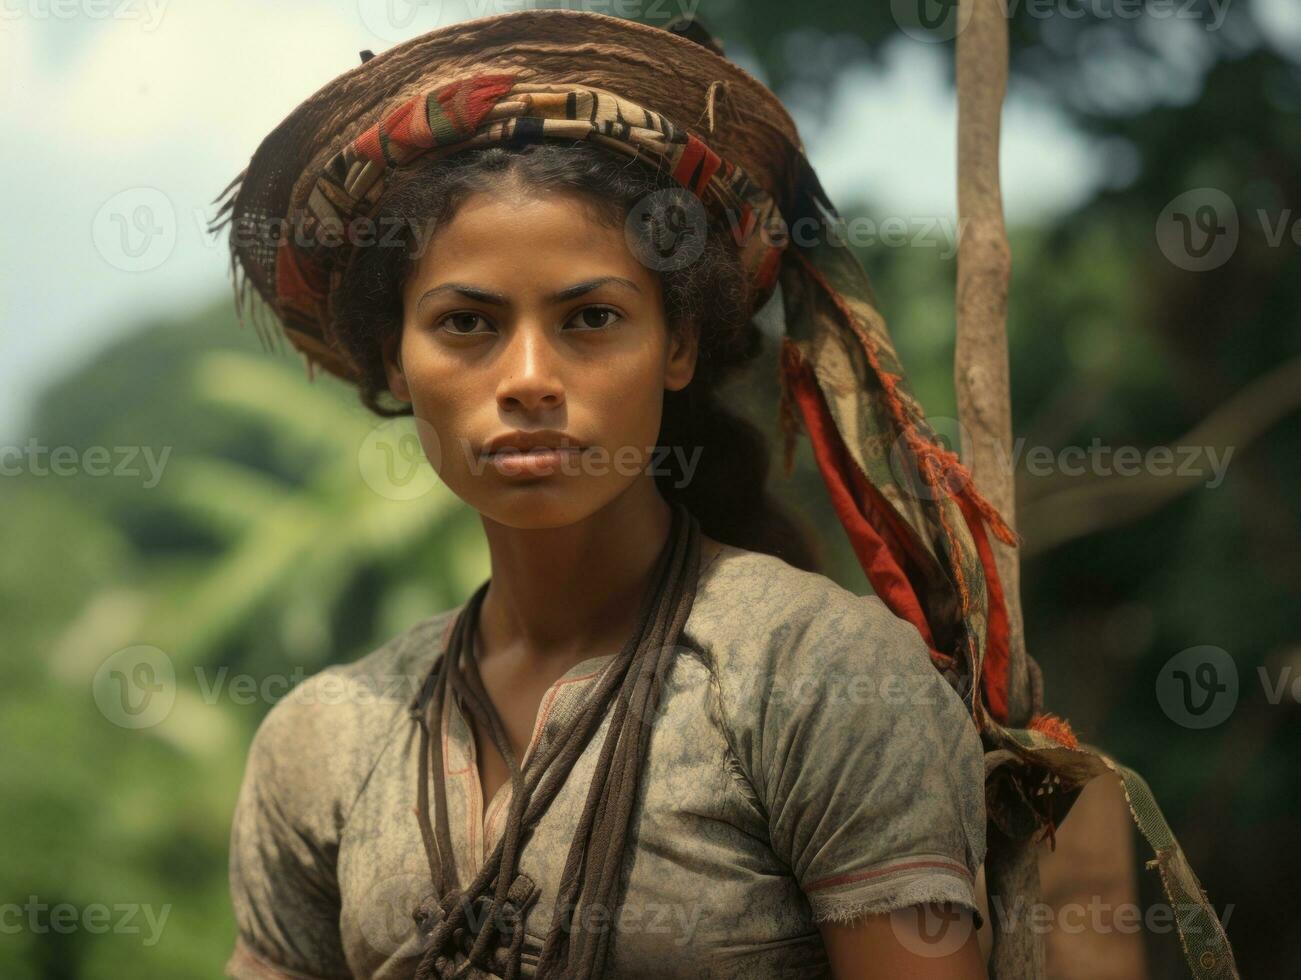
522,314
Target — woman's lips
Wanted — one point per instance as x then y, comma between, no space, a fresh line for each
531,462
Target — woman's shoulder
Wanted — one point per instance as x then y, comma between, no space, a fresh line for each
862,754
782,642
755,610
383,681
323,738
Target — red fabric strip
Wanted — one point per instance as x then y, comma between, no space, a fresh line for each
696,166
466,102
297,282
994,671
408,124
878,561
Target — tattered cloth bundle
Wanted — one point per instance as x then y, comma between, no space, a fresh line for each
669,98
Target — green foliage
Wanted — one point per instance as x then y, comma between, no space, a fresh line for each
245,558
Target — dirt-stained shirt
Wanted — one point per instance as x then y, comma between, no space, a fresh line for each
807,763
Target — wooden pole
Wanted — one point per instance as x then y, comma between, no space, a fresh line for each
984,269
985,414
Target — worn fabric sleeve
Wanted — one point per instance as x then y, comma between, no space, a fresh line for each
283,847
869,766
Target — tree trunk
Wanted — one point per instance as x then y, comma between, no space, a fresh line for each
985,413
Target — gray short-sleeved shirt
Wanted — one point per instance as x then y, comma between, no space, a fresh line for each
808,763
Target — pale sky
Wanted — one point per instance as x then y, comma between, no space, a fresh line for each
121,130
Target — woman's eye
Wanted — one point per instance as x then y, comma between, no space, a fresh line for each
461,324
595,317
590,318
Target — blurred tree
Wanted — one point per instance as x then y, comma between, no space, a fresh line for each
273,541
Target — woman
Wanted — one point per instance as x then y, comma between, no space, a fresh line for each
655,742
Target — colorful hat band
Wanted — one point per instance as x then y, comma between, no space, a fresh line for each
491,109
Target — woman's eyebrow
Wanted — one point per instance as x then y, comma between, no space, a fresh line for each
497,299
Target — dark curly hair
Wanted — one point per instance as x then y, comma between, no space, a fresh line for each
727,492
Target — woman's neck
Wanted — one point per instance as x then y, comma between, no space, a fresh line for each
568,593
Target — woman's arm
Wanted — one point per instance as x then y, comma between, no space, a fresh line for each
930,942
284,893
871,774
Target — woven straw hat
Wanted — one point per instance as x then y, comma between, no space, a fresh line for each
678,72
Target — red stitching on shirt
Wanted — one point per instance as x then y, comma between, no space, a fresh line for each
494,810
469,770
474,814
447,754
554,690
893,869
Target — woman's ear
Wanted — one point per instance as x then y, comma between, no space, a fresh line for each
684,345
397,379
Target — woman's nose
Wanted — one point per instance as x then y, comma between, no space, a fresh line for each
530,372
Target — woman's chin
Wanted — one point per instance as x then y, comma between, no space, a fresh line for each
535,505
